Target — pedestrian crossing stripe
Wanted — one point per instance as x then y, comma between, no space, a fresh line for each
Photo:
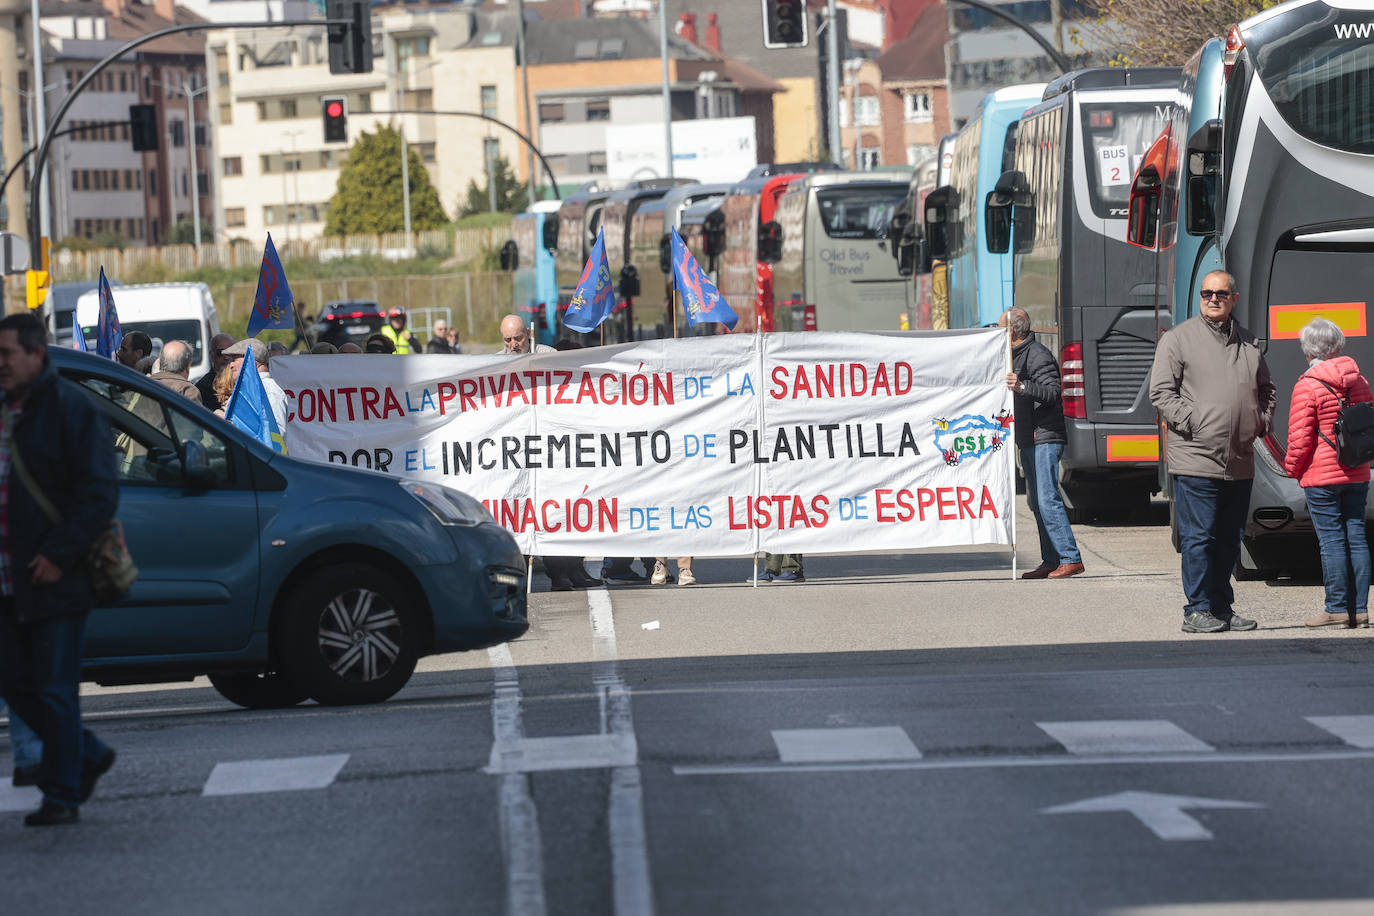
287,774
1356,731
1130,736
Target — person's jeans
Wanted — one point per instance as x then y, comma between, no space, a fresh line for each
25,745
1040,466
1338,516
1211,519
40,675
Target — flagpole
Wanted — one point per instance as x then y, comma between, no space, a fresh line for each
675,302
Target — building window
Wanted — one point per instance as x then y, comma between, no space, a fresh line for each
361,103
426,151
916,107
178,130
596,163
869,158
185,183
226,113
147,86
85,180
233,165
489,101
551,113
222,66
76,181
200,134
418,100
866,111
599,110
123,81
234,217
406,48
288,108
152,185
491,149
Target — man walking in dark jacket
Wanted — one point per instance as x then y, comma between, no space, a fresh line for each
45,593
1040,439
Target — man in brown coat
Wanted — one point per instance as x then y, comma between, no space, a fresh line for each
1212,388
176,369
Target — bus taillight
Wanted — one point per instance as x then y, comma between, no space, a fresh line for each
1234,45
1071,381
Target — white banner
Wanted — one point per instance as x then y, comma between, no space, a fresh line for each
708,446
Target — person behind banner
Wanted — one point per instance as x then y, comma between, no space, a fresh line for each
176,369
781,567
1040,439
685,576
517,340
403,341
565,573
275,396
377,343
206,383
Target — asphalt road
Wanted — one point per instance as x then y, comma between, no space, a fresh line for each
899,734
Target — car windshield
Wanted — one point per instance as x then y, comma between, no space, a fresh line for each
863,212
184,329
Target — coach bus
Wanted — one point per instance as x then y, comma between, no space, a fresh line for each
979,281
746,281
534,286
616,218
570,237
1282,183
649,246
1089,294
834,262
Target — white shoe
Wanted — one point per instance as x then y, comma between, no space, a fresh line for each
685,577
660,576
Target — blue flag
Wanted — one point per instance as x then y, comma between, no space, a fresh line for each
594,299
700,299
249,408
78,335
107,332
273,304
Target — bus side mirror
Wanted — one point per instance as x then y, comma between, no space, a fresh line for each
713,234
924,262
1142,222
629,282
998,218
510,255
905,247
770,242
1204,178
940,206
665,254
551,232
897,231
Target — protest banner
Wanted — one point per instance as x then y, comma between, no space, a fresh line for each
707,446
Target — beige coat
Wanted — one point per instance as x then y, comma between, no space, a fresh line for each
1212,389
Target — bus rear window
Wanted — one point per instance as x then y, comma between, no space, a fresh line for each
863,212
1317,64
1115,139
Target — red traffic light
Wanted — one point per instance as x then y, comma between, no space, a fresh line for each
334,109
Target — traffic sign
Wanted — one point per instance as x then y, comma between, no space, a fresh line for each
14,253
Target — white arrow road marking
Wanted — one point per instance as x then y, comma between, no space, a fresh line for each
828,745
1132,736
1162,814
286,774
1356,731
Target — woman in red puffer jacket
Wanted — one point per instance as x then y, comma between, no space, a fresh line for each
1335,493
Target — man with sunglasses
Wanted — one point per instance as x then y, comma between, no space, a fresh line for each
1212,388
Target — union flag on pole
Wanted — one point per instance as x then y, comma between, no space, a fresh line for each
700,299
273,302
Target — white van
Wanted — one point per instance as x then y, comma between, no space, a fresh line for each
163,311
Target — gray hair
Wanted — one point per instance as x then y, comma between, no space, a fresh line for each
1019,322
1321,339
1230,278
175,356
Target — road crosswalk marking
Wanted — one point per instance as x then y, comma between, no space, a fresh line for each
1356,731
1130,736
831,745
287,774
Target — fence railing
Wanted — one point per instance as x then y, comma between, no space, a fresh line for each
465,245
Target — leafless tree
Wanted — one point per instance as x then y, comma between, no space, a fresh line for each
1148,33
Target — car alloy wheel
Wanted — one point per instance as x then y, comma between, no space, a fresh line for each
359,635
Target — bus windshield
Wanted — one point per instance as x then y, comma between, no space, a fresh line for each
1115,138
1321,76
859,212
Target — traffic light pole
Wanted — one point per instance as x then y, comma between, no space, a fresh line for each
50,133
553,182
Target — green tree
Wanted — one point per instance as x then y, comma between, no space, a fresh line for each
184,232
369,200
512,196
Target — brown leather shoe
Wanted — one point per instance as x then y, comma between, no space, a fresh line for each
1065,570
1040,572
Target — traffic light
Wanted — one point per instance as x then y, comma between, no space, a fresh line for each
143,128
335,119
350,43
784,23
37,282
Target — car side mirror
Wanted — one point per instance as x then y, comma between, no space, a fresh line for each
196,464
770,242
510,255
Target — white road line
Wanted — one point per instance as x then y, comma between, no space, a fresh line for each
1134,736
24,798
1356,731
832,745
632,887
286,774
521,844
995,763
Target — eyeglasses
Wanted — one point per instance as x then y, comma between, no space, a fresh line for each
1216,294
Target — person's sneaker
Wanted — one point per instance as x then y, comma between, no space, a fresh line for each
685,577
788,575
51,814
1202,622
26,776
660,576
92,772
764,576
1238,623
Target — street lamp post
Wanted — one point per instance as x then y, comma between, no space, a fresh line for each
405,150
191,145
294,168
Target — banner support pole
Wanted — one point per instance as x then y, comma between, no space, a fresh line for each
756,569
529,575
1013,465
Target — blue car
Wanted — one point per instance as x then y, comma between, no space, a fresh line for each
283,579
